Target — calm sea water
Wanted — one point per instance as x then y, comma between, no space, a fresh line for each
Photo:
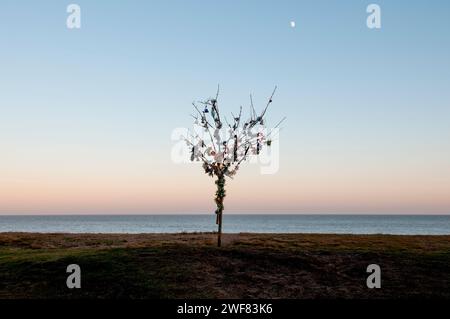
351,224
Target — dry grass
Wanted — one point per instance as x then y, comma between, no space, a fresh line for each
247,266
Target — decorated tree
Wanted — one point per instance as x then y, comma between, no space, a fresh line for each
222,145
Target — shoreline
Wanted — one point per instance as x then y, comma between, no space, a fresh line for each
215,234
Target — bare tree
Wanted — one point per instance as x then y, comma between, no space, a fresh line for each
224,145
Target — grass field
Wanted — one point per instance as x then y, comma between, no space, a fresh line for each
247,266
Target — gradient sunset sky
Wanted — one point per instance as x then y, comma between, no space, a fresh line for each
86,115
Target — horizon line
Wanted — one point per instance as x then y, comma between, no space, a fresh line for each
231,213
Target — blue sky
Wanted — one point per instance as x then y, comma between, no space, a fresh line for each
373,104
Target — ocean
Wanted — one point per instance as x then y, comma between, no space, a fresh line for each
338,224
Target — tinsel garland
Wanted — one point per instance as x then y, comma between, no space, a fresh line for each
220,193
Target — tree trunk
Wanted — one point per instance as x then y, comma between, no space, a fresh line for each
220,195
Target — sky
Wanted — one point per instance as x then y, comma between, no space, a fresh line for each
86,115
